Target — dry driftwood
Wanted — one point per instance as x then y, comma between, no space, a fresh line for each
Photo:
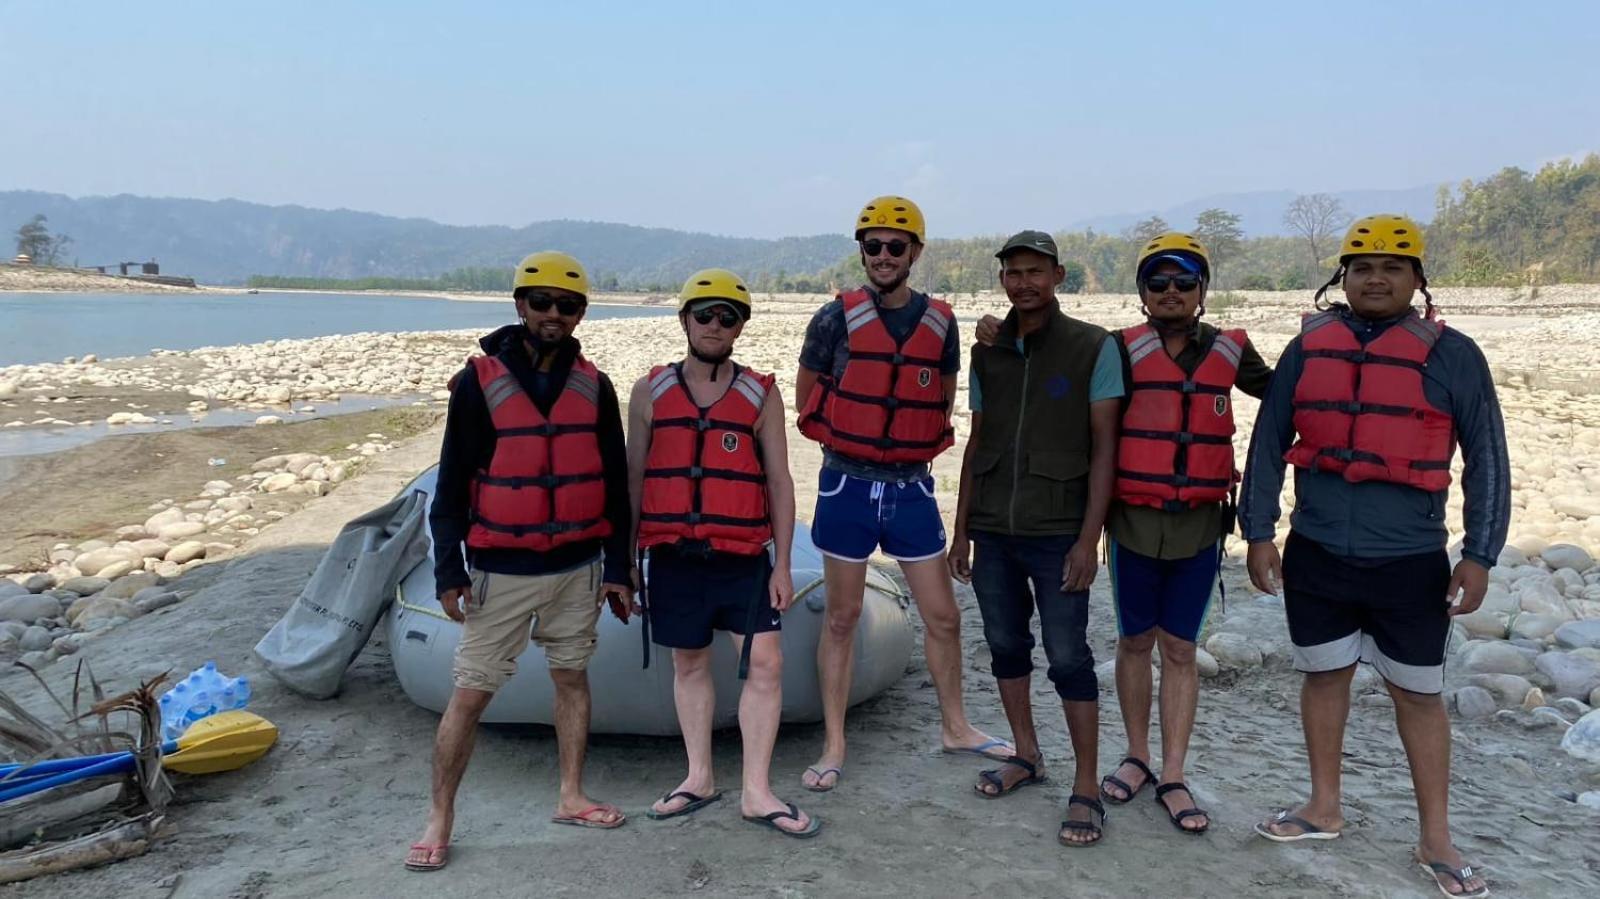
115,843
89,822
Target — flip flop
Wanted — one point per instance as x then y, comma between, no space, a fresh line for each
695,804
585,818
442,850
822,773
1193,811
1308,831
1460,875
994,777
982,750
1083,826
1117,782
814,828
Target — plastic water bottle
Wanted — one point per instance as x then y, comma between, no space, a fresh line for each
241,690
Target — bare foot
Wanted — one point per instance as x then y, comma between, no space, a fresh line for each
1281,826
1135,777
977,742
582,809
1181,800
823,775
761,806
1469,882
431,848
663,807
1010,775
1084,814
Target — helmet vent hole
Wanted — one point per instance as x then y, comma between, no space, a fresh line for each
1357,243
1404,244
703,283
1399,230
1364,230
532,270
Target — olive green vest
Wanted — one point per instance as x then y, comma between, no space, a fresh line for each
1030,471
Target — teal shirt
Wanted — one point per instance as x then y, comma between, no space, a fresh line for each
1104,384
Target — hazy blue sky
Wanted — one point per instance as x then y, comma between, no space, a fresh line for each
766,119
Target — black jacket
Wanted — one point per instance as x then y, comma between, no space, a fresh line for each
469,441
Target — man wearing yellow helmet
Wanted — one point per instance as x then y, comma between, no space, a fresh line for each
1175,475
876,380
714,512
1368,404
533,480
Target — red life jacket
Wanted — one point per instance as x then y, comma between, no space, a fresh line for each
703,478
890,404
544,486
1176,446
1361,412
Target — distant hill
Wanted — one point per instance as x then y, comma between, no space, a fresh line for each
227,241
1261,212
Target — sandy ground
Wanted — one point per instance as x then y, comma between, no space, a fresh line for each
332,808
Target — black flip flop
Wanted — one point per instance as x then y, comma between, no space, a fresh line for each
993,776
1177,818
695,804
1115,781
792,814
1084,826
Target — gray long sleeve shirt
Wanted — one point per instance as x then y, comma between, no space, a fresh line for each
1378,519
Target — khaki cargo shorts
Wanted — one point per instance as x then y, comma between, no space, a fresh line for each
558,610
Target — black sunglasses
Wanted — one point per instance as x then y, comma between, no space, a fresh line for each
564,306
725,317
873,247
1159,283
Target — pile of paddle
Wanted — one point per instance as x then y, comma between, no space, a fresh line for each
223,742
67,812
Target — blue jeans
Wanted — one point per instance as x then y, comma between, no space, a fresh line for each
1002,568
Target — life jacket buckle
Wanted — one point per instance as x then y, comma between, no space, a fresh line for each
1188,385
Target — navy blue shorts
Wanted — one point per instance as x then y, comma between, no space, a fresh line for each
1172,594
692,595
855,516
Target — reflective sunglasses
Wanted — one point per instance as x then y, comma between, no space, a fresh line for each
564,306
873,247
1159,283
725,317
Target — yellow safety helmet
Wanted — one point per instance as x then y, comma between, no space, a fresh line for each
716,284
1175,242
1386,234
893,212
551,269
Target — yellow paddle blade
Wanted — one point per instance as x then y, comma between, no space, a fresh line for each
223,742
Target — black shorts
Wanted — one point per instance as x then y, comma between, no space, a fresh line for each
691,595
1391,613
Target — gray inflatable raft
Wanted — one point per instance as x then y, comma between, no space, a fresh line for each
630,699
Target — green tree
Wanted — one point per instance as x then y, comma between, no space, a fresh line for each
1219,230
35,241
1076,277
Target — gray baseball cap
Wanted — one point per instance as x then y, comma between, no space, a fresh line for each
1037,241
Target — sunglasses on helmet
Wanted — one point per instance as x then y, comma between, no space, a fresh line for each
873,247
1159,283
724,316
564,305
